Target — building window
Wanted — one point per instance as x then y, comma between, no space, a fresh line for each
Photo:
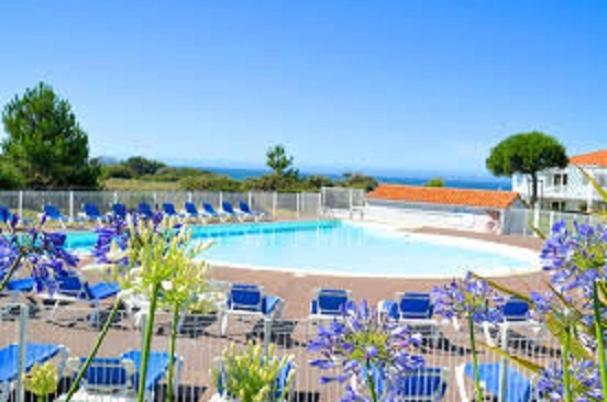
557,206
556,180
565,179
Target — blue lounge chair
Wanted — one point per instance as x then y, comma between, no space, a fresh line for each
246,209
414,308
72,289
518,387
249,299
169,209
228,211
91,213
517,315
35,353
16,287
145,210
328,303
428,384
52,213
281,383
5,214
209,212
119,210
191,211
119,376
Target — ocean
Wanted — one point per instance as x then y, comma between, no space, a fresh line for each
483,183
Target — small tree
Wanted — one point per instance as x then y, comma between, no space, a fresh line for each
435,182
45,144
279,161
527,153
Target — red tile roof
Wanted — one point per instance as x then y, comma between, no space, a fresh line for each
598,158
443,195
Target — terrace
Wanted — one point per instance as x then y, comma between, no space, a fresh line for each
202,338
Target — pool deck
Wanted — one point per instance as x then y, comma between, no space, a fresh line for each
297,288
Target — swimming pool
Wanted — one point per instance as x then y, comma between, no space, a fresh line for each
342,248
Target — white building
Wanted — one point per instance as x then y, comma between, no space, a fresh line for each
568,189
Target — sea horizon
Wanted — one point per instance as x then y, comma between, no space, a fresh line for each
452,180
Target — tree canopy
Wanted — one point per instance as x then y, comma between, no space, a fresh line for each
280,163
45,145
435,182
527,153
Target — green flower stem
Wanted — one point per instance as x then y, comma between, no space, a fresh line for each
371,383
598,328
147,342
11,272
172,344
477,381
566,372
100,337
41,398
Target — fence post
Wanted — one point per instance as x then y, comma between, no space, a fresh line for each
220,199
22,351
274,202
250,199
20,207
71,203
320,197
115,196
536,218
189,196
267,334
503,368
551,220
297,204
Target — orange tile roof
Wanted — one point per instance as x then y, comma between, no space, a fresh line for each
598,158
443,195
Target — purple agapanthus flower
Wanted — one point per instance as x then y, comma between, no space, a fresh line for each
469,297
576,258
43,253
366,351
585,375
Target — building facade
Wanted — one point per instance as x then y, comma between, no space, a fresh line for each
568,189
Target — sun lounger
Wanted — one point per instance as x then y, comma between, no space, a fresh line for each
328,303
52,213
145,210
209,212
518,387
230,212
116,379
169,209
91,213
413,308
119,210
72,289
247,211
516,316
190,210
428,384
248,299
35,353
15,287
5,214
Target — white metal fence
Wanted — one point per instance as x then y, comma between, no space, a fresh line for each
278,205
200,345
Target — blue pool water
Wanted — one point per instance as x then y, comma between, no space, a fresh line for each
343,248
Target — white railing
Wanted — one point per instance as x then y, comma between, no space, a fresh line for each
278,205
200,344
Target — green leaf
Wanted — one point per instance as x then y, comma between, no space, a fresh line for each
597,186
519,361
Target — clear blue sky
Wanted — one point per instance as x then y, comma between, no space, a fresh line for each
400,86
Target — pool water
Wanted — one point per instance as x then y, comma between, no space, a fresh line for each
342,248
